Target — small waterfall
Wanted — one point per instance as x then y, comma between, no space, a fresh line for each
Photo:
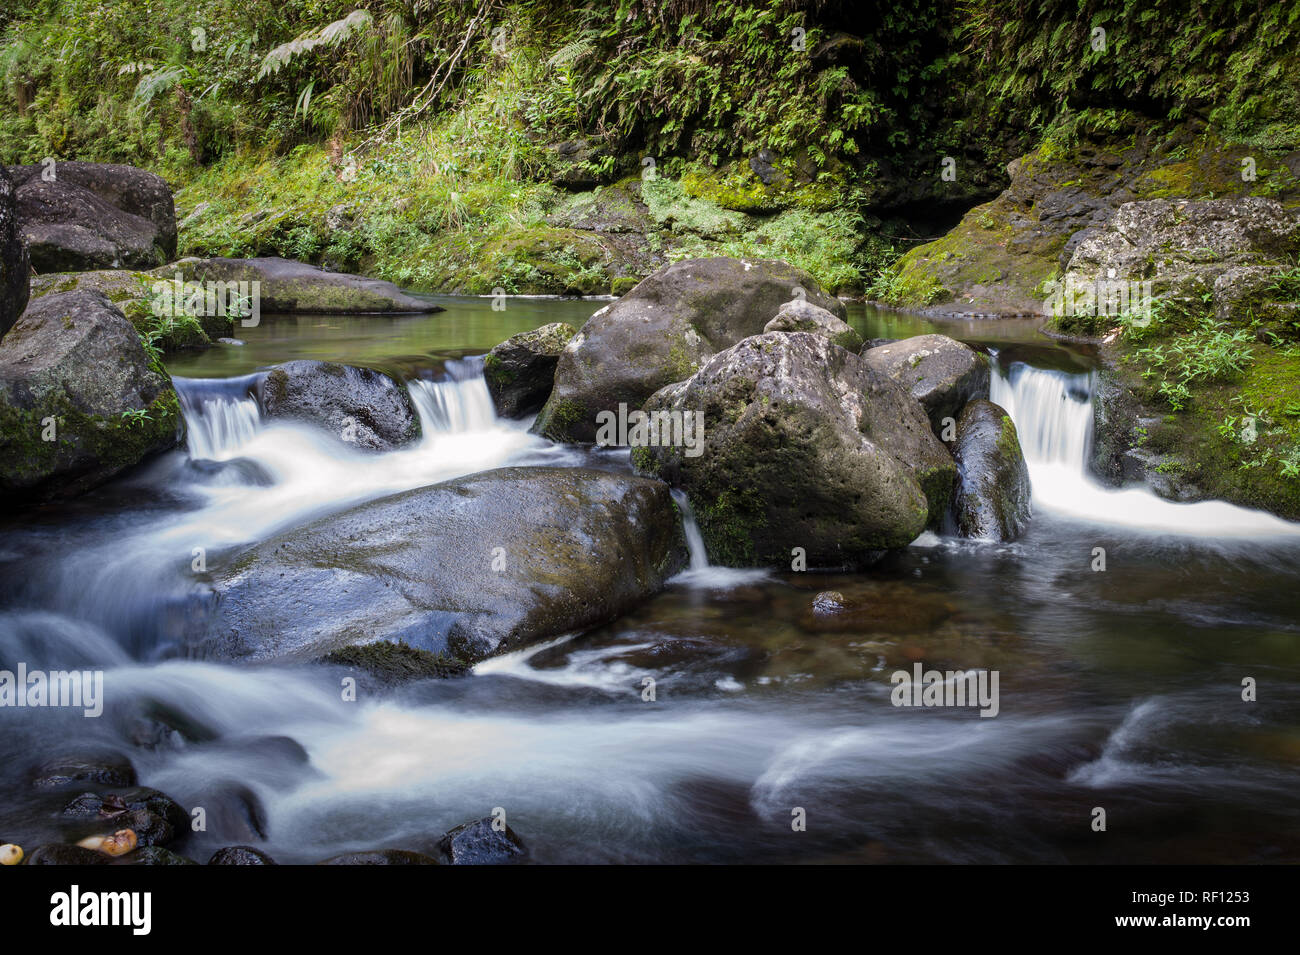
694,539
1052,411
1053,415
221,414
457,404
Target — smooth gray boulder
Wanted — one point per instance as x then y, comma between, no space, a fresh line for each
14,265
467,568
804,445
520,372
360,406
801,316
288,287
940,372
80,400
993,495
663,331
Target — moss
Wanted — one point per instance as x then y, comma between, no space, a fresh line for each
645,461
729,524
623,284
558,417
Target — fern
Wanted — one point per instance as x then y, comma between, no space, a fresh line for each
332,35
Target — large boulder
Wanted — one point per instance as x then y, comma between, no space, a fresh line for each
804,445
80,400
798,315
288,287
361,406
78,216
14,265
941,373
467,568
521,370
992,499
663,331
133,191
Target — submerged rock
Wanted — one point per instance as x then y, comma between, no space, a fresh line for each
381,857
805,445
288,287
14,265
359,406
479,843
66,855
80,400
465,568
241,855
154,855
801,316
940,372
993,497
662,332
108,769
94,216
520,372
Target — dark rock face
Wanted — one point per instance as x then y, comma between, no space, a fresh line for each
663,331
108,769
66,855
381,857
288,287
801,316
993,498
478,843
80,401
95,216
941,373
466,568
241,855
134,191
805,445
520,372
14,264
360,406
153,855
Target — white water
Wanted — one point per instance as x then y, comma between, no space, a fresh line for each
1052,411
701,573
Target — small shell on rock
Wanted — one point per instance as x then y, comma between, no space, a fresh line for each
10,854
118,844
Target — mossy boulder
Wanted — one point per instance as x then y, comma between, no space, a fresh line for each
805,445
992,500
798,315
663,331
941,373
80,400
520,371
360,406
288,287
467,568
14,264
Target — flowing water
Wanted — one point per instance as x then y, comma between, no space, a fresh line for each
1119,688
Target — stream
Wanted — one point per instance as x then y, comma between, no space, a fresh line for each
1120,688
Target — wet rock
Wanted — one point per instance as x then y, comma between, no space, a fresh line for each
288,287
520,372
478,843
992,500
80,401
95,216
241,855
108,769
465,568
941,373
394,663
806,446
381,857
802,316
886,609
14,264
122,805
234,812
662,332
359,406
66,855
153,855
